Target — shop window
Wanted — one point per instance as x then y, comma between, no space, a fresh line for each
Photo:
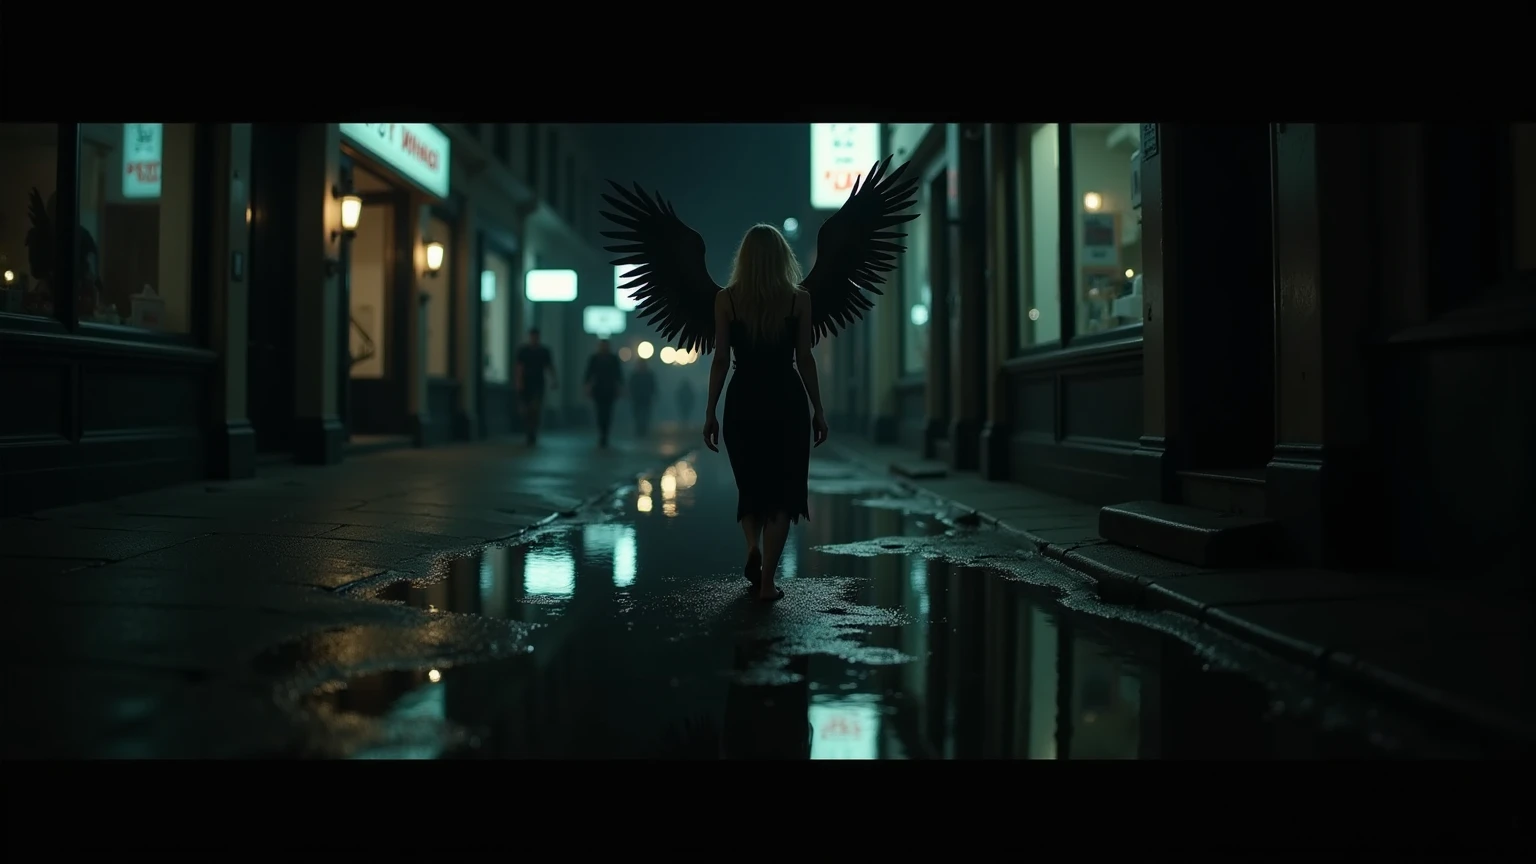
29,159
1107,227
917,297
136,221
1038,193
496,286
440,307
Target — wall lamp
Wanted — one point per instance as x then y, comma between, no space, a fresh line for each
435,254
351,214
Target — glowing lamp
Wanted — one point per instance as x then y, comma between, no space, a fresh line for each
435,254
351,213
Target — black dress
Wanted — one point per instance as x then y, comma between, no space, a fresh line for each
767,427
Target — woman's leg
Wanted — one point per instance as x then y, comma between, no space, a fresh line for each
775,532
753,530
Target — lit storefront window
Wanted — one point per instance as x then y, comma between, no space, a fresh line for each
917,298
134,247
1107,266
1038,175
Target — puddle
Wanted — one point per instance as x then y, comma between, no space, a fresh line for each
898,638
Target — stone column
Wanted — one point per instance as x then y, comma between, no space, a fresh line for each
418,406
1001,282
884,325
1160,329
232,441
968,367
1323,269
468,353
319,435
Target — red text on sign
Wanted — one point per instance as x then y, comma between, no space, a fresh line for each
418,148
842,181
145,172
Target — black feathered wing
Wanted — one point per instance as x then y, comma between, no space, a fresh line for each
856,246
670,282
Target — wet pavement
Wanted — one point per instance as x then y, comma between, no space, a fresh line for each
624,630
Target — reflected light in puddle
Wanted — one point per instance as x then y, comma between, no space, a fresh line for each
434,676
643,503
845,730
549,573
645,486
668,485
669,508
918,578
615,542
788,559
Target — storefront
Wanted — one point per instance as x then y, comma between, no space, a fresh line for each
105,319
405,271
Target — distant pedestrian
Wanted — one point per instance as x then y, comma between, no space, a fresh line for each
685,401
604,382
642,390
534,363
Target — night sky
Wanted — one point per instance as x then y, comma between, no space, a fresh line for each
721,177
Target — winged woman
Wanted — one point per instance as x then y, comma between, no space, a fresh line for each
769,318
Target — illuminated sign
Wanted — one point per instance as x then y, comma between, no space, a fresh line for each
602,320
419,151
845,730
143,145
550,286
623,300
487,285
840,154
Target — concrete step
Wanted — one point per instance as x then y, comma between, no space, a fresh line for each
1239,492
1203,538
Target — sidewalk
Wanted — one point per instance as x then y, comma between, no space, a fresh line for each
1409,640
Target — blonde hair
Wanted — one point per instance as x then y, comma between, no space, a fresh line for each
764,282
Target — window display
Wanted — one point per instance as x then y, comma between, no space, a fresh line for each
1107,228
29,156
136,221
1038,175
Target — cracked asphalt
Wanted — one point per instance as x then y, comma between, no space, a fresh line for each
482,601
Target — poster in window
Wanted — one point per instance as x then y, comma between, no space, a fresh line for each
1101,240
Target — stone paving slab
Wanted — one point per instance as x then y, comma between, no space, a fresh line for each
1401,636
138,616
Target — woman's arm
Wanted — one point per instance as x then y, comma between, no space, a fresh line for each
721,363
805,361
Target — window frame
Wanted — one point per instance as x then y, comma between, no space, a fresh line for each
1066,290
65,320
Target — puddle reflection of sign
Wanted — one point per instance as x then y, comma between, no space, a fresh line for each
142,152
840,154
845,731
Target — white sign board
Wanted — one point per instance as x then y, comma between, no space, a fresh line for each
603,320
624,301
419,151
840,154
143,145
487,286
550,286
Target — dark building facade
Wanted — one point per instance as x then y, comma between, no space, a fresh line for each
1325,328
183,301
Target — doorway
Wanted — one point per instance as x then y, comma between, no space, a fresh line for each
375,354
1227,278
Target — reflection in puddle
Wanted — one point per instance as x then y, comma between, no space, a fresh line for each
644,642
845,729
